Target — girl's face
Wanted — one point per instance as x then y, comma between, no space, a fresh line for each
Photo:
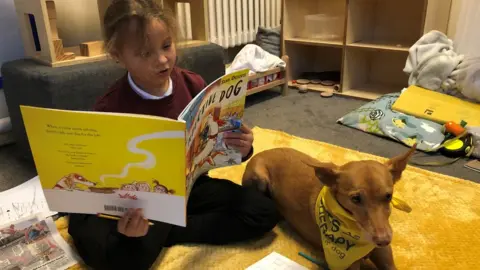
150,65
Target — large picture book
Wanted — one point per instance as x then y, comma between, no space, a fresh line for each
436,106
105,163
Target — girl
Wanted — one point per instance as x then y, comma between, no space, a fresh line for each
140,35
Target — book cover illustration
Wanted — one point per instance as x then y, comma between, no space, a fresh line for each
216,110
93,163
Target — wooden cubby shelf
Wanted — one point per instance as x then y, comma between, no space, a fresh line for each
321,31
306,41
388,25
370,73
377,45
368,45
314,58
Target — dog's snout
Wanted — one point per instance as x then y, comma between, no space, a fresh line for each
382,237
381,242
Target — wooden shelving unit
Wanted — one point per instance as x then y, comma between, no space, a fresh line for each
370,45
370,73
199,21
306,41
38,26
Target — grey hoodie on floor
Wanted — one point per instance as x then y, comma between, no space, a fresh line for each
433,64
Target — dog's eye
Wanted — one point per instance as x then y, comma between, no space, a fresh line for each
388,197
356,199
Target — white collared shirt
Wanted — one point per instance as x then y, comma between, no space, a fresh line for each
146,95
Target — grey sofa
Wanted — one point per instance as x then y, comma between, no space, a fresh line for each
76,87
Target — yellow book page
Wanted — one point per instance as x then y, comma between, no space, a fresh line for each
437,107
107,154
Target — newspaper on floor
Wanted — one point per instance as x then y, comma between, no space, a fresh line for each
23,201
34,243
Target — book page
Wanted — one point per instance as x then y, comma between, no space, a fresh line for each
275,261
214,111
34,243
22,201
95,162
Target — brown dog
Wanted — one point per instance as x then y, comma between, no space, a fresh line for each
349,221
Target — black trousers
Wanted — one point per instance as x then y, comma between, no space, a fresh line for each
219,212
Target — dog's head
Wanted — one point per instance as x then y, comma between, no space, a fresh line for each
365,189
77,178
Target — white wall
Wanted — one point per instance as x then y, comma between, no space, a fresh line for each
454,17
11,45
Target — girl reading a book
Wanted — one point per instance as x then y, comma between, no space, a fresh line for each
140,35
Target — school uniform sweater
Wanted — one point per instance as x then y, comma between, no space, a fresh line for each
96,239
122,98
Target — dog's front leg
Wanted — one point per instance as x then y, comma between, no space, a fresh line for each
356,265
383,258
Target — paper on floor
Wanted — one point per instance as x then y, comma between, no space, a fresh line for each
23,201
34,243
275,261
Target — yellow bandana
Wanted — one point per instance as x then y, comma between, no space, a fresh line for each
342,239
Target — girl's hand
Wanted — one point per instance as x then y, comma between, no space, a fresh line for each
241,141
133,224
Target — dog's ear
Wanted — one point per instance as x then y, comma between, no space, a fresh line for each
327,173
398,164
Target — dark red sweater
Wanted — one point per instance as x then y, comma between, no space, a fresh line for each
121,98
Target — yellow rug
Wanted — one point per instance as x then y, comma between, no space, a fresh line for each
442,231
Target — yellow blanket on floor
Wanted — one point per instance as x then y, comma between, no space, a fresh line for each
442,231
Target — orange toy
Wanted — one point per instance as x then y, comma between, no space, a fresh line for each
454,128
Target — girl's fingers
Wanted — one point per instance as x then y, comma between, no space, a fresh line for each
239,136
245,129
136,218
235,135
122,223
145,227
237,143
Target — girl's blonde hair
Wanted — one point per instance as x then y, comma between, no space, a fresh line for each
120,15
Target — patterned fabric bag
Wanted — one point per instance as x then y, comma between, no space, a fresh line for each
377,117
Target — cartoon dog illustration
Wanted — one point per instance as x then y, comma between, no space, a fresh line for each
159,188
69,182
206,151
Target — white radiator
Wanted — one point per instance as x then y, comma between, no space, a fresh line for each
184,19
233,22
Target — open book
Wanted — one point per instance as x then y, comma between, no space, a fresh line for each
97,162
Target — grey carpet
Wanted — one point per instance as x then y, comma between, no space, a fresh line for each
313,117
306,115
